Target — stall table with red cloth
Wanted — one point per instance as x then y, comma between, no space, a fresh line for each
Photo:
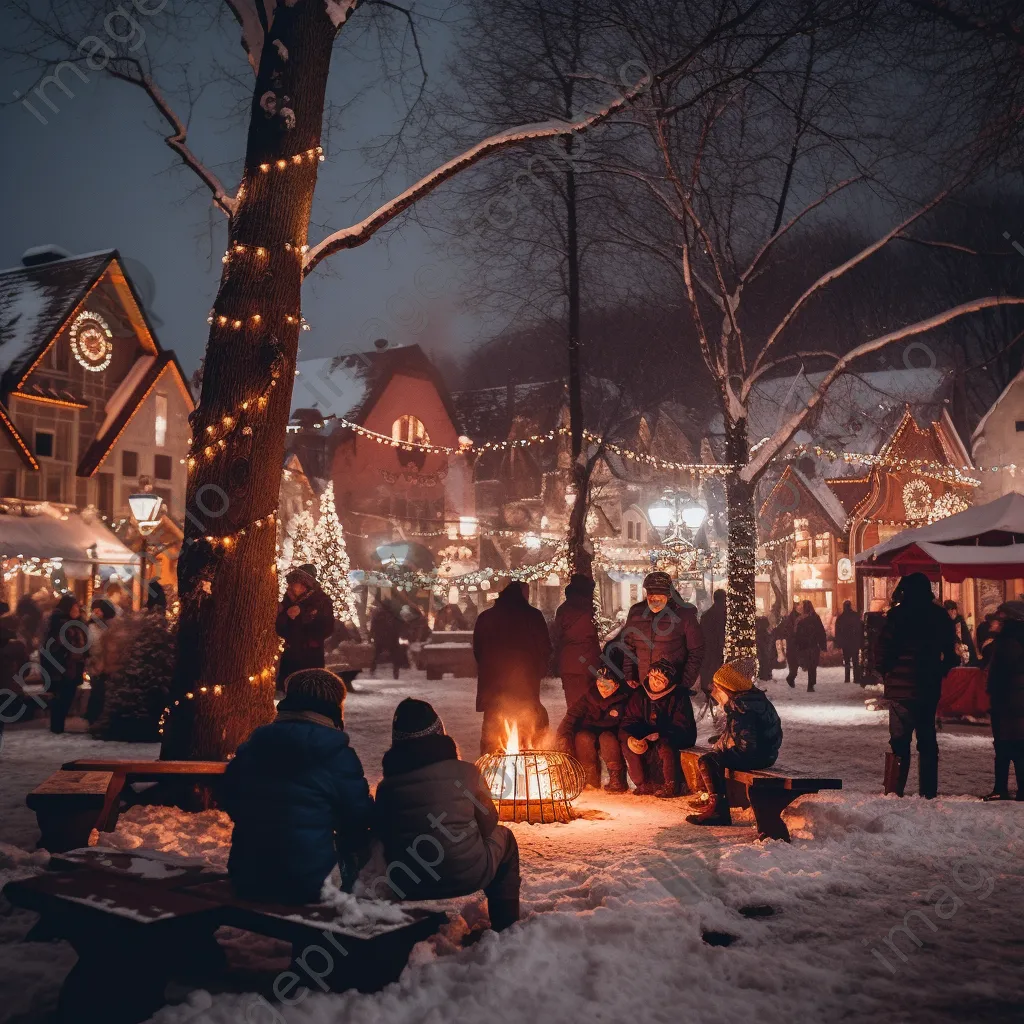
964,693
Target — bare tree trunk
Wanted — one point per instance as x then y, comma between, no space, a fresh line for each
225,680
742,549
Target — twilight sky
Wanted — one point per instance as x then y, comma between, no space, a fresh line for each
99,176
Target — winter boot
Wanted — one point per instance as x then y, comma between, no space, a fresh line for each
715,813
503,912
593,776
667,790
928,774
644,789
616,781
896,771
1001,786
792,681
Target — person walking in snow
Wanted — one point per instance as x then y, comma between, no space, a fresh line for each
590,731
386,633
916,648
712,625
809,640
512,650
424,782
662,628
849,639
750,739
298,798
764,642
657,723
577,649
305,619
1006,692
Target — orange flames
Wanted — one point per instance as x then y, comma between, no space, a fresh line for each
511,737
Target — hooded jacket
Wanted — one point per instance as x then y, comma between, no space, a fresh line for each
305,634
592,711
574,635
753,732
296,793
512,649
1006,682
916,648
428,799
670,715
671,635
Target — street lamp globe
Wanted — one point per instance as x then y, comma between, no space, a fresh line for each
145,506
661,513
693,515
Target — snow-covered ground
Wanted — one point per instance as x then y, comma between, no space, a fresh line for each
617,904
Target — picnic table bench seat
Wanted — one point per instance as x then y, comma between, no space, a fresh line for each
137,918
767,791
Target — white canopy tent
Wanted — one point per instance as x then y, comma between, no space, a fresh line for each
53,534
983,542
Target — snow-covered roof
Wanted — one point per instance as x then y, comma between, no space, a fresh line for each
980,428
858,414
124,391
825,497
36,300
54,534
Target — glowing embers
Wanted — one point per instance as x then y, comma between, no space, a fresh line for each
537,786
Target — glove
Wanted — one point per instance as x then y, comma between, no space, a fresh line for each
637,746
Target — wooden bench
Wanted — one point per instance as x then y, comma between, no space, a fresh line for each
86,794
138,918
767,791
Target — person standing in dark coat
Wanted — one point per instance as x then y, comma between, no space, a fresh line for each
298,797
657,723
764,642
985,634
574,639
964,641
62,658
849,638
450,619
786,631
305,619
590,731
809,640
662,628
426,782
916,649
1006,692
750,739
386,633
712,625
512,650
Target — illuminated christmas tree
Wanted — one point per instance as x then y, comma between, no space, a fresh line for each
303,535
330,555
293,548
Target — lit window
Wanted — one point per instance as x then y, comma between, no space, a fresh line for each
160,433
409,430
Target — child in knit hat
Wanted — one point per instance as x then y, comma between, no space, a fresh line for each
437,821
750,738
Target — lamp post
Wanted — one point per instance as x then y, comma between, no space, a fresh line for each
145,506
673,510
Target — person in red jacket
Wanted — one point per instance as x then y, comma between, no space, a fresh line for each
575,641
305,619
512,650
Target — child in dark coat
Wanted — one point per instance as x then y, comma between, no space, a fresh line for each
296,793
437,821
658,722
590,730
750,739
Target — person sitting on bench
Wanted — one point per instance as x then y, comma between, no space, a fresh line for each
298,797
590,731
657,723
750,738
437,821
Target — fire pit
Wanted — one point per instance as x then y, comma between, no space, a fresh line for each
537,786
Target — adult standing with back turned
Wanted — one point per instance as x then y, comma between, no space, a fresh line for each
574,638
916,649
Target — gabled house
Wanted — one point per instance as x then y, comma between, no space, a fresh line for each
998,443
92,408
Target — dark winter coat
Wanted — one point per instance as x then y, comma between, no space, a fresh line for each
574,637
673,635
304,636
512,649
1006,682
296,793
809,639
592,711
753,732
671,716
963,634
764,641
915,650
64,652
449,618
712,625
385,628
849,630
425,783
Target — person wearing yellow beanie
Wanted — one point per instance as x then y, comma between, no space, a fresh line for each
750,738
